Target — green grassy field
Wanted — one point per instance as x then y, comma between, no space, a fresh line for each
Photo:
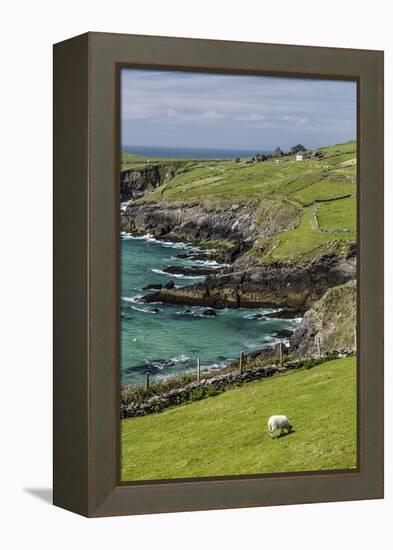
226,180
339,214
227,434
305,238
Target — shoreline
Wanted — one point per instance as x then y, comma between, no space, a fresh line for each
224,362
228,365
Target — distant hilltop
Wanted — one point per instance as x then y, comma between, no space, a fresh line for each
299,150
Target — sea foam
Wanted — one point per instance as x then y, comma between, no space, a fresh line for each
177,275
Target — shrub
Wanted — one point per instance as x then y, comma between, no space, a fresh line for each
196,394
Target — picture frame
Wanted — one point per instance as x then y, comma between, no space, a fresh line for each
86,274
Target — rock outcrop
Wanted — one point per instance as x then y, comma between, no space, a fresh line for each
190,271
329,324
135,183
295,287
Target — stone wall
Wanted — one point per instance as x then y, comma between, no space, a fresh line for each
204,388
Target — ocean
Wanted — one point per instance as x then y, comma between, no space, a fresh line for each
170,341
193,153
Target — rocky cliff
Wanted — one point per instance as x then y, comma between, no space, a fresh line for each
136,183
234,227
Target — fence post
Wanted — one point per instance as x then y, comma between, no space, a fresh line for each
355,339
241,362
147,385
281,355
198,369
319,346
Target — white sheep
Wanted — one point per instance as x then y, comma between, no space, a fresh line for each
278,422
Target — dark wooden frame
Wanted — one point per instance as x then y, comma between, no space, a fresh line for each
86,269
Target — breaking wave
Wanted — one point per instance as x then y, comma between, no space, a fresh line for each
177,275
132,299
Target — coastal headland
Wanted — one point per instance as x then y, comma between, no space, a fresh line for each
285,231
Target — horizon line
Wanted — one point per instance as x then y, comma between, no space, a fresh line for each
232,148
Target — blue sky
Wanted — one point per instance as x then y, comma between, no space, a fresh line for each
183,109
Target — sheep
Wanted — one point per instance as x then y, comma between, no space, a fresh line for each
278,422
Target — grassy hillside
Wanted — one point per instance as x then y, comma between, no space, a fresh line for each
306,239
228,180
227,434
131,161
314,200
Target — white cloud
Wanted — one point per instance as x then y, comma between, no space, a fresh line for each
233,104
250,117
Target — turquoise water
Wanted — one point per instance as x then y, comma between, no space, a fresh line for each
170,341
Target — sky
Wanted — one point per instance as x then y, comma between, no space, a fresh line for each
186,109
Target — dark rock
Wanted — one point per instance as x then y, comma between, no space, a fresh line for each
268,371
258,316
155,310
285,314
169,285
189,271
284,333
209,312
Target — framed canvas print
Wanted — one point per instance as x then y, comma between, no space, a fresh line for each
218,261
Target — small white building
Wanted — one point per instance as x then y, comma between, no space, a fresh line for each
300,155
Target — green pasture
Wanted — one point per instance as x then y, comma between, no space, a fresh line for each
227,434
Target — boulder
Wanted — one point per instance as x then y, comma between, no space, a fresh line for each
169,285
209,312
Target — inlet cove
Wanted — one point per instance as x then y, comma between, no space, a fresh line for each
165,339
